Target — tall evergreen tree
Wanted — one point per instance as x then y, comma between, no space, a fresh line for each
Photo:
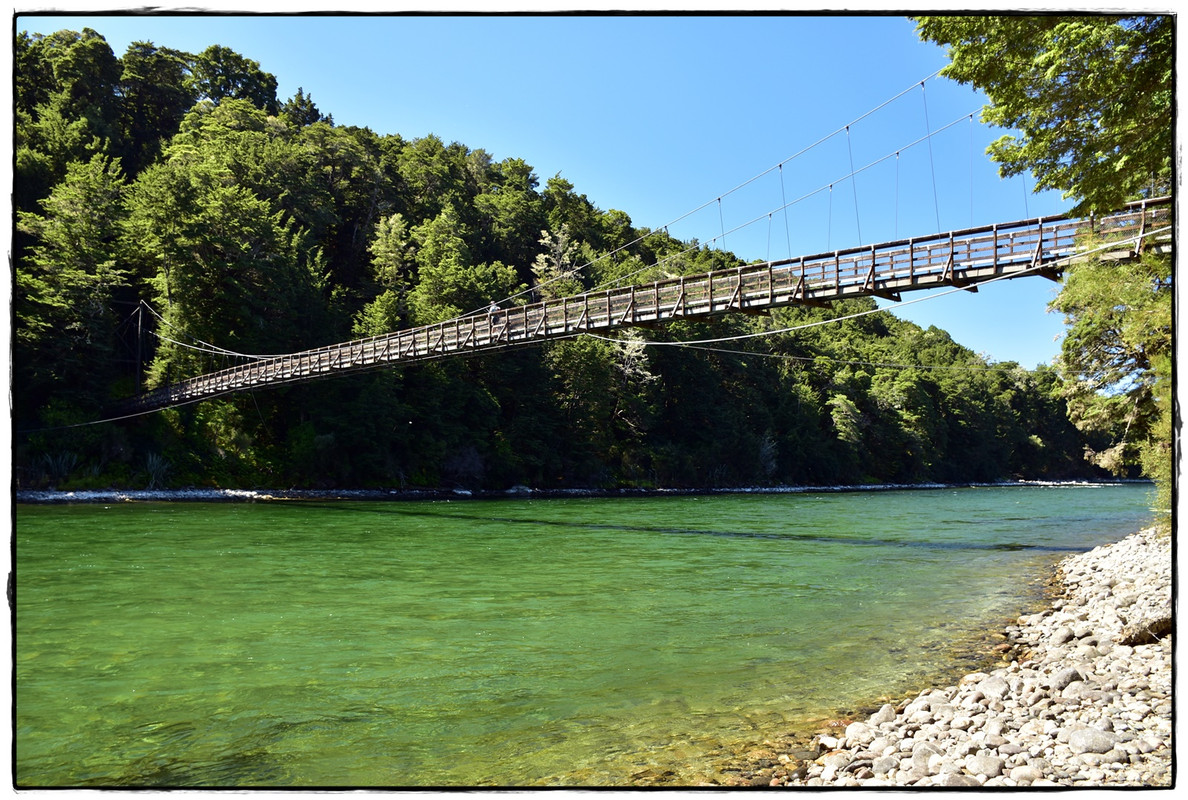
219,73
65,343
154,98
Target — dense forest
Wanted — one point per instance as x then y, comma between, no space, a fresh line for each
171,211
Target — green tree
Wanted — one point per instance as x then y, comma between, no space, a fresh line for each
604,393
1117,356
66,107
557,271
448,283
337,188
229,269
65,342
301,111
510,213
154,98
220,73
564,206
392,265
432,175
1091,95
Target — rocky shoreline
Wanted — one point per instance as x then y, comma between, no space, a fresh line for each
209,495
1086,700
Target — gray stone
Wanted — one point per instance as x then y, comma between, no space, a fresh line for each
837,760
1146,631
883,715
994,687
1065,677
941,763
1091,740
1061,635
989,766
1149,744
1085,712
920,717
1125,600
857,765
859,733
915,774
994,725
943,711
1027,773
921,753
1042,764
925,747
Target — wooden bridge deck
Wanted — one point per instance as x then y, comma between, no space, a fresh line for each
959,258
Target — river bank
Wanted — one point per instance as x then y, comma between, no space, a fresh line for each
206,495
1086,699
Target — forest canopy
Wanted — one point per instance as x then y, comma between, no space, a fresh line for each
173,211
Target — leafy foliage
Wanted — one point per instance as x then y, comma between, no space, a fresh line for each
67,285
1117,355
1091,96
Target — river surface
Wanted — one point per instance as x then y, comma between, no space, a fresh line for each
500,643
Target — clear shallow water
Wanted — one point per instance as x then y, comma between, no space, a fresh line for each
511,642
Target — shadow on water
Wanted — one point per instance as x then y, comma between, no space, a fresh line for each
174,763
181,755
675,531
255,767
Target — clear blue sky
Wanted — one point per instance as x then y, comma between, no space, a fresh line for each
660,115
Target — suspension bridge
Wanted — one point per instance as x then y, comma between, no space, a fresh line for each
1041,246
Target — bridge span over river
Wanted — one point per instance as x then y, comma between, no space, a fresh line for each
1040,246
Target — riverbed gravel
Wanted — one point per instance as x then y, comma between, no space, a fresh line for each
1085,701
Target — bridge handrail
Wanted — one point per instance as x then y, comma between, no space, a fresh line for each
963,233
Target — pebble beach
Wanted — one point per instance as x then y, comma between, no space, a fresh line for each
1085,700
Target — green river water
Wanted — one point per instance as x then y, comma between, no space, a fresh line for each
500,643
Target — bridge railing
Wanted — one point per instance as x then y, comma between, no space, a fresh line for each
955,259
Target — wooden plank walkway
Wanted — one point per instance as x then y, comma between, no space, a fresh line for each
958,258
